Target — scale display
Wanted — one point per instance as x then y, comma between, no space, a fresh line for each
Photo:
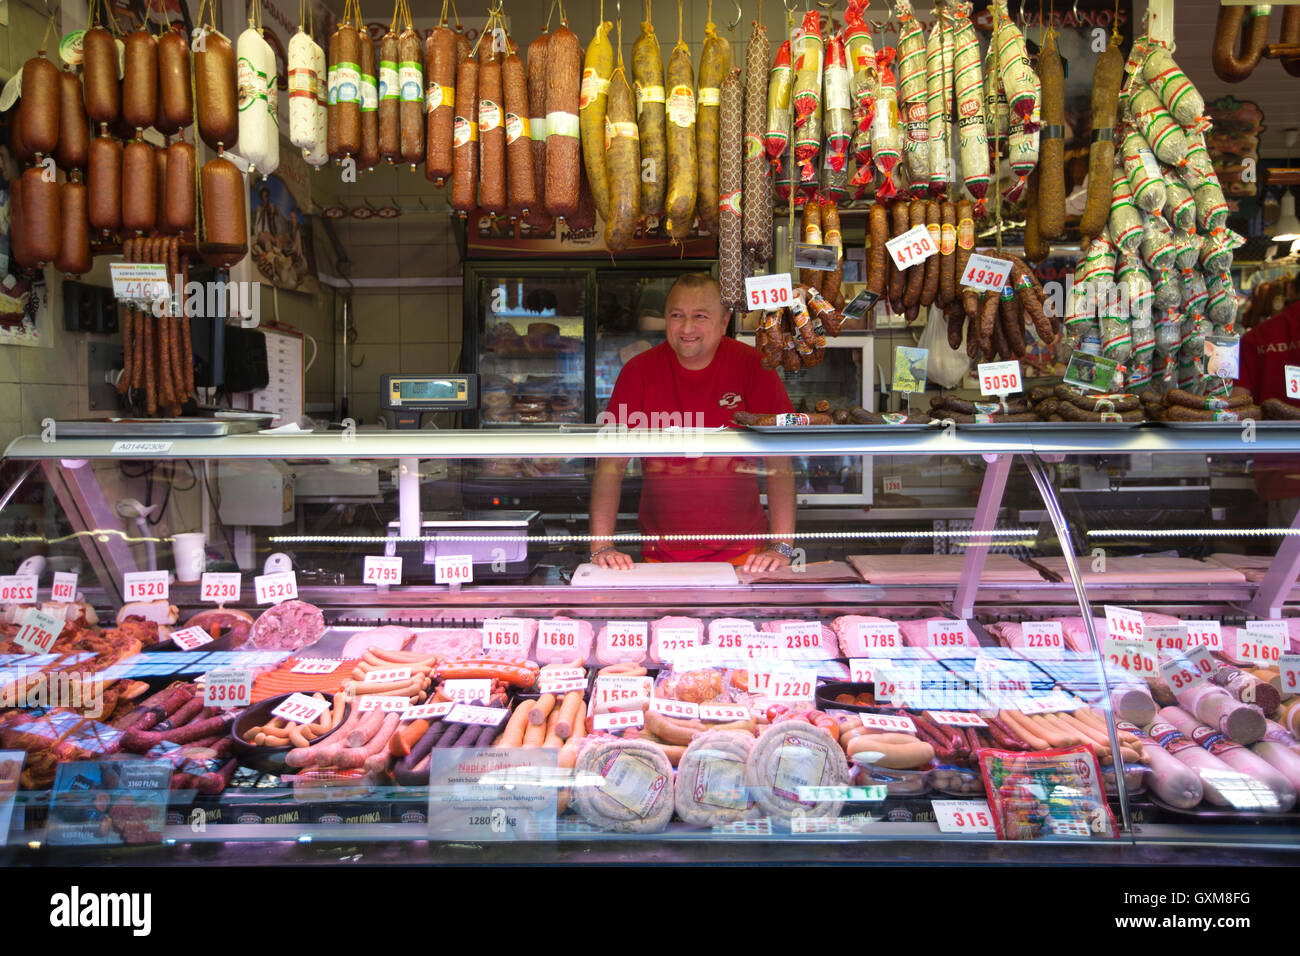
430,393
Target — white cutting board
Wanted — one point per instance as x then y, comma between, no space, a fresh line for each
700,574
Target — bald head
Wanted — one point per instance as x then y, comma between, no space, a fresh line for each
696,320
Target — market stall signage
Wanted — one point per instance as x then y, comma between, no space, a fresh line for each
228,688
769,292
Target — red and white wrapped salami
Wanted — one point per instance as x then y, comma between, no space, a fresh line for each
968,82
912,95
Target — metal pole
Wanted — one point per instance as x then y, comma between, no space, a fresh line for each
986,516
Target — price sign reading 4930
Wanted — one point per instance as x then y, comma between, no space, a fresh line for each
986,273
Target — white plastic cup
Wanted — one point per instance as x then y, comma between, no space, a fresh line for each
187,551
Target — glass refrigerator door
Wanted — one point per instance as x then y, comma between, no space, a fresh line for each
531,348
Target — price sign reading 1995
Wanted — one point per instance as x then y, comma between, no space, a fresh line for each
911,247
946,634
986,273
145,585
453,569
277,587
382,570
221,587
1000,378
768,292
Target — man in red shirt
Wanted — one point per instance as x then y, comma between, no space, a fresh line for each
701,377
1265,352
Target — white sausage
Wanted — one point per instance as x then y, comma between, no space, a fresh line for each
303,93
1173,781
259,140
319,155
1234,755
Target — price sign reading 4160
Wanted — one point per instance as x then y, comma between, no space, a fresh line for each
768,292
986,273
911,247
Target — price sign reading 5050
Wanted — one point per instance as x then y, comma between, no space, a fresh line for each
768,292
1000,378
986,273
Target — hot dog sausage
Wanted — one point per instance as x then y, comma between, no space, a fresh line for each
440,103
140,80
41,215
215,96
464,180
410,74
104,183
103,89
225,224
40,105
563,81
492,139
74,257
368,153
139,186
538,217
74,137
175,99
522,195
179,207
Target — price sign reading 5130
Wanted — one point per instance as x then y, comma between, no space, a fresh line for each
768,292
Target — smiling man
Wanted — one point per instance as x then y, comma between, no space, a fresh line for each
702,373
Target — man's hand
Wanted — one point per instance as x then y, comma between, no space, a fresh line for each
617,560
765,561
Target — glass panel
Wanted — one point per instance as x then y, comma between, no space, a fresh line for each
629,321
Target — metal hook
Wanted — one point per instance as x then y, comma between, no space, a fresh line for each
1075,11
739,13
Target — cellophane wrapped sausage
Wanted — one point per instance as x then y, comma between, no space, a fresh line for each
715,65
440,103
837,106
521,185
780,93
539,218
302,92
968,80
756,194
860,52
912,98
885,134
648,86
1013,65
808,51
936,116
597,68
563,152
256,67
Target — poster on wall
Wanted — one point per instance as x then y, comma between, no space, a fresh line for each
281,236
21,293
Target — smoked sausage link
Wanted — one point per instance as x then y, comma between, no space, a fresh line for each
74,257
622,157
40,105
160,191
332,102
18,227
103,90
41,215
369,153
538,218
175,100
390,99
563,153
648,77
215,91
74,130
410,74
225,225
104,183
464,157
440,103
683,172
492,138
139,186
348,95
597,68
140,80
521,186
179,207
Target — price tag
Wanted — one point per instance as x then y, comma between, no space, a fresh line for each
1042,638
947,634
553,686
892,722
782,685
389,705
1207,634
1293,381
627,635
1169,638
382,570
38,631
427,711
1055,701
18,589
1136,656
675,708
769,293
801,636
986,273
386,675
724,713
1289,666
301,709
228,688
1264,648
143,282
145,586
619,721
314,666
862,670
505,634
1180,674
732,636
557,636
1268,627
616,691
878,636
963,816
761,646
911,247
1123,623
956,718
1000,378
453,569
1201,660
277,587
221,587
674,640
483,716
65,586
469,690
188,638
891,484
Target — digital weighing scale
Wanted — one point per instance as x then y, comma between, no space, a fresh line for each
408,397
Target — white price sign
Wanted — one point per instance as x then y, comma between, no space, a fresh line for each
188,638
277,587
769,293
385,675
1180,674
1124,624
553,686
561,636
220,587
301,709
1042,638
1207,634
891,484
956,718
618,691
505,634
383,702
862,670
963,816
912,247
483,716
18,589
1200,659
782,685
427,711
725,713
1289,666
1293,381
1135,656
65,586
231,687
675,640
986,273
891,722
1170,638
947,634
469,690
732,636
145,585
1055,701
879,636
38,631
382,570
799,636
1259,646
675,708
619,721
627,636
761,646
314,666
1000,378
139,281
453,569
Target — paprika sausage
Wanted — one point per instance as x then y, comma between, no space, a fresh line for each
522,189
410,74
390,99
464,157
225,224
104,183
1231,66
215,91
897,281
563,80
683,172
175,99
492,138
178,211
74,257
348,80
715,64
932,265
41,215
332,101
139,186
103,90
440,103
916,271
368,154
140,80
877,255
1106,80
40,105
622,159
1051,153
538,217
74,136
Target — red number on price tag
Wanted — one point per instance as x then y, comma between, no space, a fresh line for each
963,816
1207,634
382,570
225,689
999,378
1258,646
188,638
38,631
1289,666
627,635
674,640
557,636
801,636
1136,656
911,247
875,636
65,586
768,292
145,585
505,634
986,273
18,589
1122,622
1293,381
220,587
468,691
277,587
946,633
453,569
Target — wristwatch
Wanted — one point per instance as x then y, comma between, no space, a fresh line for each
781,548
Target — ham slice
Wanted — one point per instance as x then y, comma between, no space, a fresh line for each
391,637
287,626
450,644
851,643
825,650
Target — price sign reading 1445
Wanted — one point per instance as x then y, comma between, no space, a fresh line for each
768,292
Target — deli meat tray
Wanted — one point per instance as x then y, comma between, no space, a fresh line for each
1070,426
855,429
160,427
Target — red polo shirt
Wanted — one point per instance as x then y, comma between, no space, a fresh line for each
1265,352
698,495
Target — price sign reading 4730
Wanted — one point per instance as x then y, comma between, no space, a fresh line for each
911,247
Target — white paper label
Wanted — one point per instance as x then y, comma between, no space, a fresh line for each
862,670
384,702
963,816
384,675
1206,634
879,636
1180,674
1000,378
277,587
18,588
469,690
799,636
957,718
724,713
504,634
301,709
627,636
1042,638
64,587
732,636
1293,381
220,587
618,721
383,570
453,569
1124,623
38,631
892,484
139,281
314,666
675,640
783,685
188,638
427,711
1260,646
621,691
145,586
891,722
1199,657
1136,656
483,716
986,273
1289,666
761,646
769,292
912,247
947,634
675,708
141,447
228,688
557,636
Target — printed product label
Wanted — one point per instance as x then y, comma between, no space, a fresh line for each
463,131
437,95
348,83
302,82
792,418
537,128
411,80
753,147
634,783
801,764
720,782
516,126
562,124
369,94
681,106
252,86
388,85
593,87
489,116
647,94
710,96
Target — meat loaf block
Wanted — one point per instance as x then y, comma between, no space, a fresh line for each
391,637
852,644
287,627
608,653
449,643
